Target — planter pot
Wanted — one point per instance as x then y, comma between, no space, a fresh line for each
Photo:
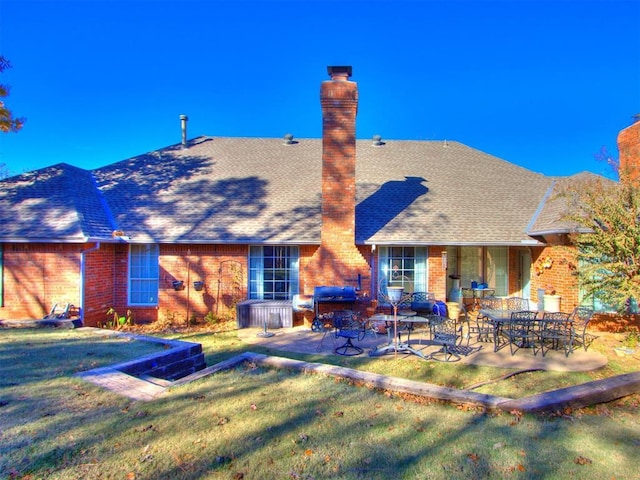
178,285
552,303
453,310
198,286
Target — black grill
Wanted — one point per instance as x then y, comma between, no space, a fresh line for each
333,295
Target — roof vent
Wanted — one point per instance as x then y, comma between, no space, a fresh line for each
377,141
183,125
288,139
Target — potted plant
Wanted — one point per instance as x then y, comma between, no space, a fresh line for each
551,299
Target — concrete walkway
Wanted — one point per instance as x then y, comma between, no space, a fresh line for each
303,340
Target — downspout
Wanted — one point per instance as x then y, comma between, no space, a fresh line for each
82,277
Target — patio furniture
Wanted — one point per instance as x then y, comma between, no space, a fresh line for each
517,303
580,318
323,323
521,331
484,327
446,334
349,326
395,344
555,332
59,311
422,302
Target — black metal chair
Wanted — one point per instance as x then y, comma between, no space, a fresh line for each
517,303
556,332
521,331
349,326
447,334
580,318
484,329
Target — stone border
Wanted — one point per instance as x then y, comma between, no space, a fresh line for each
147,388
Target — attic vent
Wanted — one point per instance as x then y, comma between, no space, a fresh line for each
288,139
377,141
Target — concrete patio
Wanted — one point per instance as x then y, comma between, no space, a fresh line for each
302,340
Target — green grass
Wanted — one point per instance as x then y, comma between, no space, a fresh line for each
255,423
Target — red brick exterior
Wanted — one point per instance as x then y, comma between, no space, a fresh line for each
629,148
38,275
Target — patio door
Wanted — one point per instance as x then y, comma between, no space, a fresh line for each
524,272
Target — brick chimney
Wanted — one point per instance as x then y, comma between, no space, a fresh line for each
629,148
338,261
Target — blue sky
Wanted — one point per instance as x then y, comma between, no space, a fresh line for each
542,84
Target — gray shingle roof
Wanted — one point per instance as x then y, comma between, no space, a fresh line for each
260,190
554,207
58,203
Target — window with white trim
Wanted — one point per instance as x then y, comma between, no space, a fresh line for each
273,272
402,266
143,274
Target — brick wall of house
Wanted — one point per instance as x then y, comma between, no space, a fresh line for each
553,269
437,274
36,276
222,268
100,276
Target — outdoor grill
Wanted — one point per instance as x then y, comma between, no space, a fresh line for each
332,294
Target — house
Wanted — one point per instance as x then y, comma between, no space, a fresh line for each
269,218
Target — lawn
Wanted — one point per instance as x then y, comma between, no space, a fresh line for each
255,423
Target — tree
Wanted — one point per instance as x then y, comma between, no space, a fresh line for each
8,123
607,215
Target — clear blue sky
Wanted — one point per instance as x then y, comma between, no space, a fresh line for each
542,84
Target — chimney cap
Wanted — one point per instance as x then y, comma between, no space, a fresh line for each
340,71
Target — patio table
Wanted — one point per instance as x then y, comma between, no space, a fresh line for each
396,345
498,318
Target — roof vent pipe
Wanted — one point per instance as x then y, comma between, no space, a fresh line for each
183,125
377,141
288,139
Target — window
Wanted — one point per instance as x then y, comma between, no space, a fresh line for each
402,266
273,272
143,275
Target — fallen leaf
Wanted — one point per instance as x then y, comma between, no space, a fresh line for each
131,476
580,460
253,406
521,468
473,457
338,414
308,452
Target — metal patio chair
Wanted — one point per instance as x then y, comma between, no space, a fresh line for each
521,331
556,332
580,318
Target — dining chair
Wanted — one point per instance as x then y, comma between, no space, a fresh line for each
517,303
580,318
521,331
447,334
556,332
484,329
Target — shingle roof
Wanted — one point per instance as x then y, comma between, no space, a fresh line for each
247,190
59,203
550,218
